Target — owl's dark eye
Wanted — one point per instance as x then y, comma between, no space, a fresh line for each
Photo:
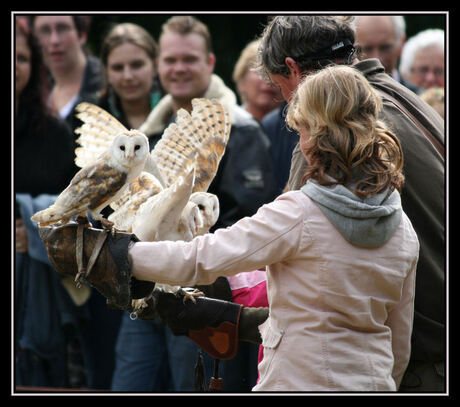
137,147
122,148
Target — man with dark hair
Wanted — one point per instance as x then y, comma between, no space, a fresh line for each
76,75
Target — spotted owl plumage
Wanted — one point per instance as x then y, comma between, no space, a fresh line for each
167,199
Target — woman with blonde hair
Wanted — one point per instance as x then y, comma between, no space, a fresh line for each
341,137
256,95
340,253
435,98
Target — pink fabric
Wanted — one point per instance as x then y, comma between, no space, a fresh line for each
250,289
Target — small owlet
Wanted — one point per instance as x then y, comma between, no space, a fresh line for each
98,184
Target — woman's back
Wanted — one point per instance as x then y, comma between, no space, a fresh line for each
336,301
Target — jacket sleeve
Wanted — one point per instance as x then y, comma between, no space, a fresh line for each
272,234
245,179
400,320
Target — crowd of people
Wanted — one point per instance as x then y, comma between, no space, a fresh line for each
292,162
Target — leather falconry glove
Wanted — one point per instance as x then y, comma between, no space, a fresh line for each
96,257
217,326
100,259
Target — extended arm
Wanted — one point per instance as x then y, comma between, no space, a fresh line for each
271,235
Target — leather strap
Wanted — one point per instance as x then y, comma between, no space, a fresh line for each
83,271
436,143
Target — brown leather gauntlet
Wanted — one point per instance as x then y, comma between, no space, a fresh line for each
96,257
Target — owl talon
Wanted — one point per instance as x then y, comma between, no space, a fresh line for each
189,294
138,305
81,220
108,225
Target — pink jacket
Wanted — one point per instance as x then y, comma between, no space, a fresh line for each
340,315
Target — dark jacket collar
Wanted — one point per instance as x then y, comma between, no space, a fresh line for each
370,66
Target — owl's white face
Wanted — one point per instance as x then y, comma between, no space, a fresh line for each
208,205
130,149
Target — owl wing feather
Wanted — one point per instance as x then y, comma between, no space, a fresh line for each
212,117
171,153
200,137
197,140
127,206
96,134
92,188
98,131
159,216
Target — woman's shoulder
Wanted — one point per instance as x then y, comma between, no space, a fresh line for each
295,196
294,203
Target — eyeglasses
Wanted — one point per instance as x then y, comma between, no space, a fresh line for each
424,70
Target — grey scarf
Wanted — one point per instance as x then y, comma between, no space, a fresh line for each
368,222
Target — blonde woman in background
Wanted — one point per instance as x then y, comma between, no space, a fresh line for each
435,98
257,96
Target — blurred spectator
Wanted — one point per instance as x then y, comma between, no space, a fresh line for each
49,312
38,135
244,182
422,59
129,55
257,96
435,98
75,74
76,77
383,37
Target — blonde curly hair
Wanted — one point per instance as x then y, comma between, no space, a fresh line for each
339,109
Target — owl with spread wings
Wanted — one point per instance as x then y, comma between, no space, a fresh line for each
168,200
100,182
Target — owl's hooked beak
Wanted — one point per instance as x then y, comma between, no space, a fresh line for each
130,154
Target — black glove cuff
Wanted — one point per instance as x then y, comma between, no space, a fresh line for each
118,245
182,316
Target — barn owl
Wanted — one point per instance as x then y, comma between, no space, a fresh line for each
163,216
168,200
196,140
208,205
99,183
